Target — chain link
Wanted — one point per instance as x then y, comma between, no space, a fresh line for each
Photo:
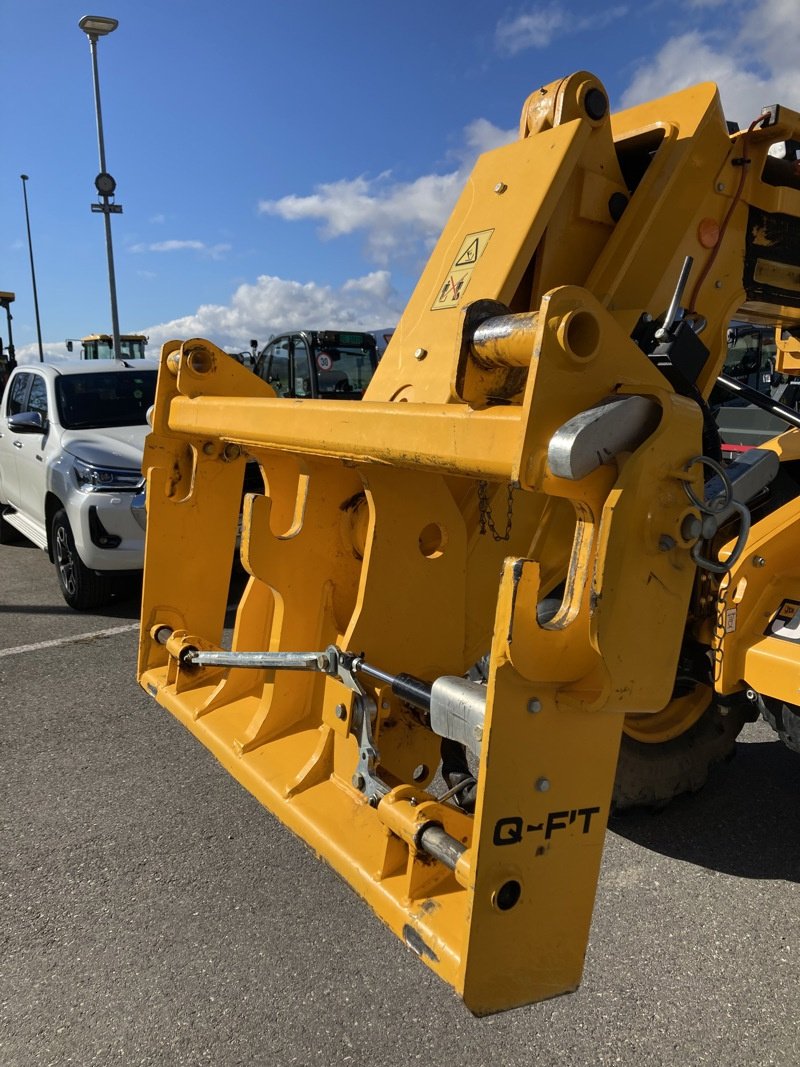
720,628
485,512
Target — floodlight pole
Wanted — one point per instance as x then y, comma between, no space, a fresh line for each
94,27
24,179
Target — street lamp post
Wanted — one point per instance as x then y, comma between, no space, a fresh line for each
95,26
24,178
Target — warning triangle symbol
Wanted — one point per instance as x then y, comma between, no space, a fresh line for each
468,256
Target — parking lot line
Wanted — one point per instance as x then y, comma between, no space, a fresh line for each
110,632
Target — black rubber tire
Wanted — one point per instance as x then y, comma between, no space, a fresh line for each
784,720
83,589
650,775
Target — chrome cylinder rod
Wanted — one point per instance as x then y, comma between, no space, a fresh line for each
435,840
267,661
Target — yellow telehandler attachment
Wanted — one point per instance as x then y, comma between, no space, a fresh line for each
529,485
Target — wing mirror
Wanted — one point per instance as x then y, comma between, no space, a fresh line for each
27,422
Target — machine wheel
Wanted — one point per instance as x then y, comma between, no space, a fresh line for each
82,588
784,720
671,752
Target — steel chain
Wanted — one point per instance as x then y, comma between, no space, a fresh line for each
485,512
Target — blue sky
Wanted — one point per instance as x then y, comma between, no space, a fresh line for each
284,165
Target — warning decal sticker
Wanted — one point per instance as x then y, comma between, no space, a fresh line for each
785,624
452,288
469,255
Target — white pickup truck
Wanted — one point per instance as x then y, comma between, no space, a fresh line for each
71,442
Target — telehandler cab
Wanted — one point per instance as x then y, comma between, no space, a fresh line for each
534,472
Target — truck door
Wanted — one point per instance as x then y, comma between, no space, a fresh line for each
31,459
14,403
275,365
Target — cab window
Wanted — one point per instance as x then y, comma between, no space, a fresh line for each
276,366
37,399
302,368
16,397
345,371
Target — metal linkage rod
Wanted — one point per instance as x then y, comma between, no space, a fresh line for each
435,840
760,400
268,661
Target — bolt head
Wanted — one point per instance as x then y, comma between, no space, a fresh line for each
341,711
759,561
359,781
534,706
420,354
500,188
542,784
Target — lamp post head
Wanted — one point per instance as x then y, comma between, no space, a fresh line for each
105,184
95,26
24,177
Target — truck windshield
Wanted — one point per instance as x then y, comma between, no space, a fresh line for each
92,401
103,348
345,369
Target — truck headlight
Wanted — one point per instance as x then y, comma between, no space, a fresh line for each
92,478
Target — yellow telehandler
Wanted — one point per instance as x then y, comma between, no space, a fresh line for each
514,585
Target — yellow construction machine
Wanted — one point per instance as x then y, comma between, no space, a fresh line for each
518,560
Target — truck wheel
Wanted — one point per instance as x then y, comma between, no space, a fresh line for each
82,588
671,752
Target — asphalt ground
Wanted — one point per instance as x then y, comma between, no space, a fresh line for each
152,912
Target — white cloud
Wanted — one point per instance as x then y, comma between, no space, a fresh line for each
482,136
539,27
535,29
53,352
398,218
394,215
214,251
270,306
274,305
748,62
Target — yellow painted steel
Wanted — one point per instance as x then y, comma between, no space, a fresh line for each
374,533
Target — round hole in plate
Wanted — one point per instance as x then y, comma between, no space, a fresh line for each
420,773
432,540
507,895
200,360
581,334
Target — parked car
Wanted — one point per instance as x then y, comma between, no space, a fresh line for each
71,442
